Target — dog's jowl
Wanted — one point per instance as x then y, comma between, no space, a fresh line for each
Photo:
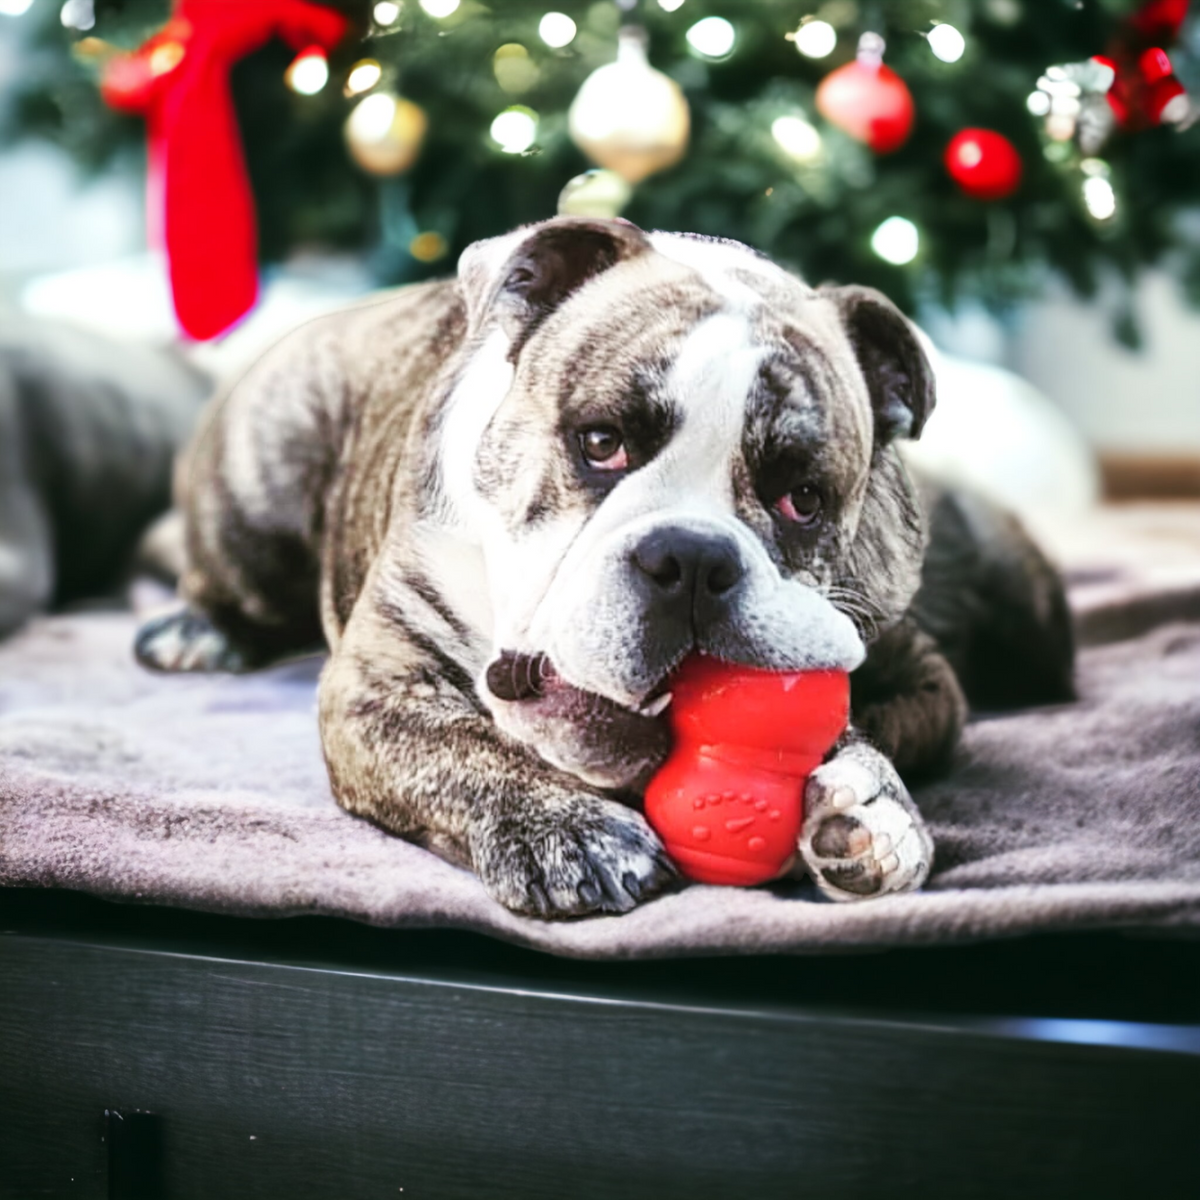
514,501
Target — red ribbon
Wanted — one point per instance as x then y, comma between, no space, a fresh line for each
179,80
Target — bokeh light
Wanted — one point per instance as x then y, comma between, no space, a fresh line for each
815,39
947,43
309,73
364,75
797,138
440,8
515,130
896,241
712,37
556,30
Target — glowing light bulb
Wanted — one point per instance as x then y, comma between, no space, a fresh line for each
797,138
1038,103
947,43
78,14
14,8
440,8
372,118
712,37
364,75
515,130
386,12
556,30
309,73
896,241
670,5
1099,197
815,39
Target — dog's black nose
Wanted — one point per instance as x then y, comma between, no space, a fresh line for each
687,571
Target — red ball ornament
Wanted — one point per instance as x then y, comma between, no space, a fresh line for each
984,164
868,100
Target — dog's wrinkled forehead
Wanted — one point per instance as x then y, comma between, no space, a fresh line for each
605,325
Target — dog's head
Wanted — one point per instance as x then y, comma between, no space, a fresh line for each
667,444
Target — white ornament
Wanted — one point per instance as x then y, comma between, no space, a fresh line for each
628,116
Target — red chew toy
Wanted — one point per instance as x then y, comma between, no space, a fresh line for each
729,801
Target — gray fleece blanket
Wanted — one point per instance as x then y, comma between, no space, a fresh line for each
210,793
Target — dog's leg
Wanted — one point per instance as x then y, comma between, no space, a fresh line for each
907,701
409,746
251,488
862,834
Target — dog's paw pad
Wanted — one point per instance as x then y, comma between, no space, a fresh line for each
186,641
859,838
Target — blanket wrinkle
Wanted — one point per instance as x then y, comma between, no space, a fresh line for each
210,793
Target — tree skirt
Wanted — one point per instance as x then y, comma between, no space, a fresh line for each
210,793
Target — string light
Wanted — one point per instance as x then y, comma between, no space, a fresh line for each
440,8
1099,197
364,75
309,72
797,138
515,71
712,37
670,5
815,39
78,14
14,8
1038,103
556,30
947,43
372,117
896,241
428,247
515,130
386,12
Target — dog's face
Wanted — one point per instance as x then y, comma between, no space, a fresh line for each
667,445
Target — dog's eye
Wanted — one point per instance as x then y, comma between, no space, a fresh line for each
603,447
802,505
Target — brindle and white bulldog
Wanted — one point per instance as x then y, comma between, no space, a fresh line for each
513,502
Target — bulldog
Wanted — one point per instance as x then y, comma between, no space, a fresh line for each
511,503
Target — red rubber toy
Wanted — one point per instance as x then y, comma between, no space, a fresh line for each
729,800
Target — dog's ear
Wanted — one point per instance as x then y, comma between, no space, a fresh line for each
899,377
523,276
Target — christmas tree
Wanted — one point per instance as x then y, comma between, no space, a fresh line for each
937,149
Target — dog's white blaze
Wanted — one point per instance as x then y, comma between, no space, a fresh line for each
473,403
715,263
710,385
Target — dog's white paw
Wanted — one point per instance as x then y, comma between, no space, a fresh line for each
184,640
862,834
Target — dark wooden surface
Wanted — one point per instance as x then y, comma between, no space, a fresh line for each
311,1058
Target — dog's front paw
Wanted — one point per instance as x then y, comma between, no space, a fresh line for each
578,856
862,834
185,640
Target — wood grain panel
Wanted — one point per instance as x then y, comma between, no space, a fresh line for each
281,1081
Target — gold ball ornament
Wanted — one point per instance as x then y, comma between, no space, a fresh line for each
629,117
384,133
